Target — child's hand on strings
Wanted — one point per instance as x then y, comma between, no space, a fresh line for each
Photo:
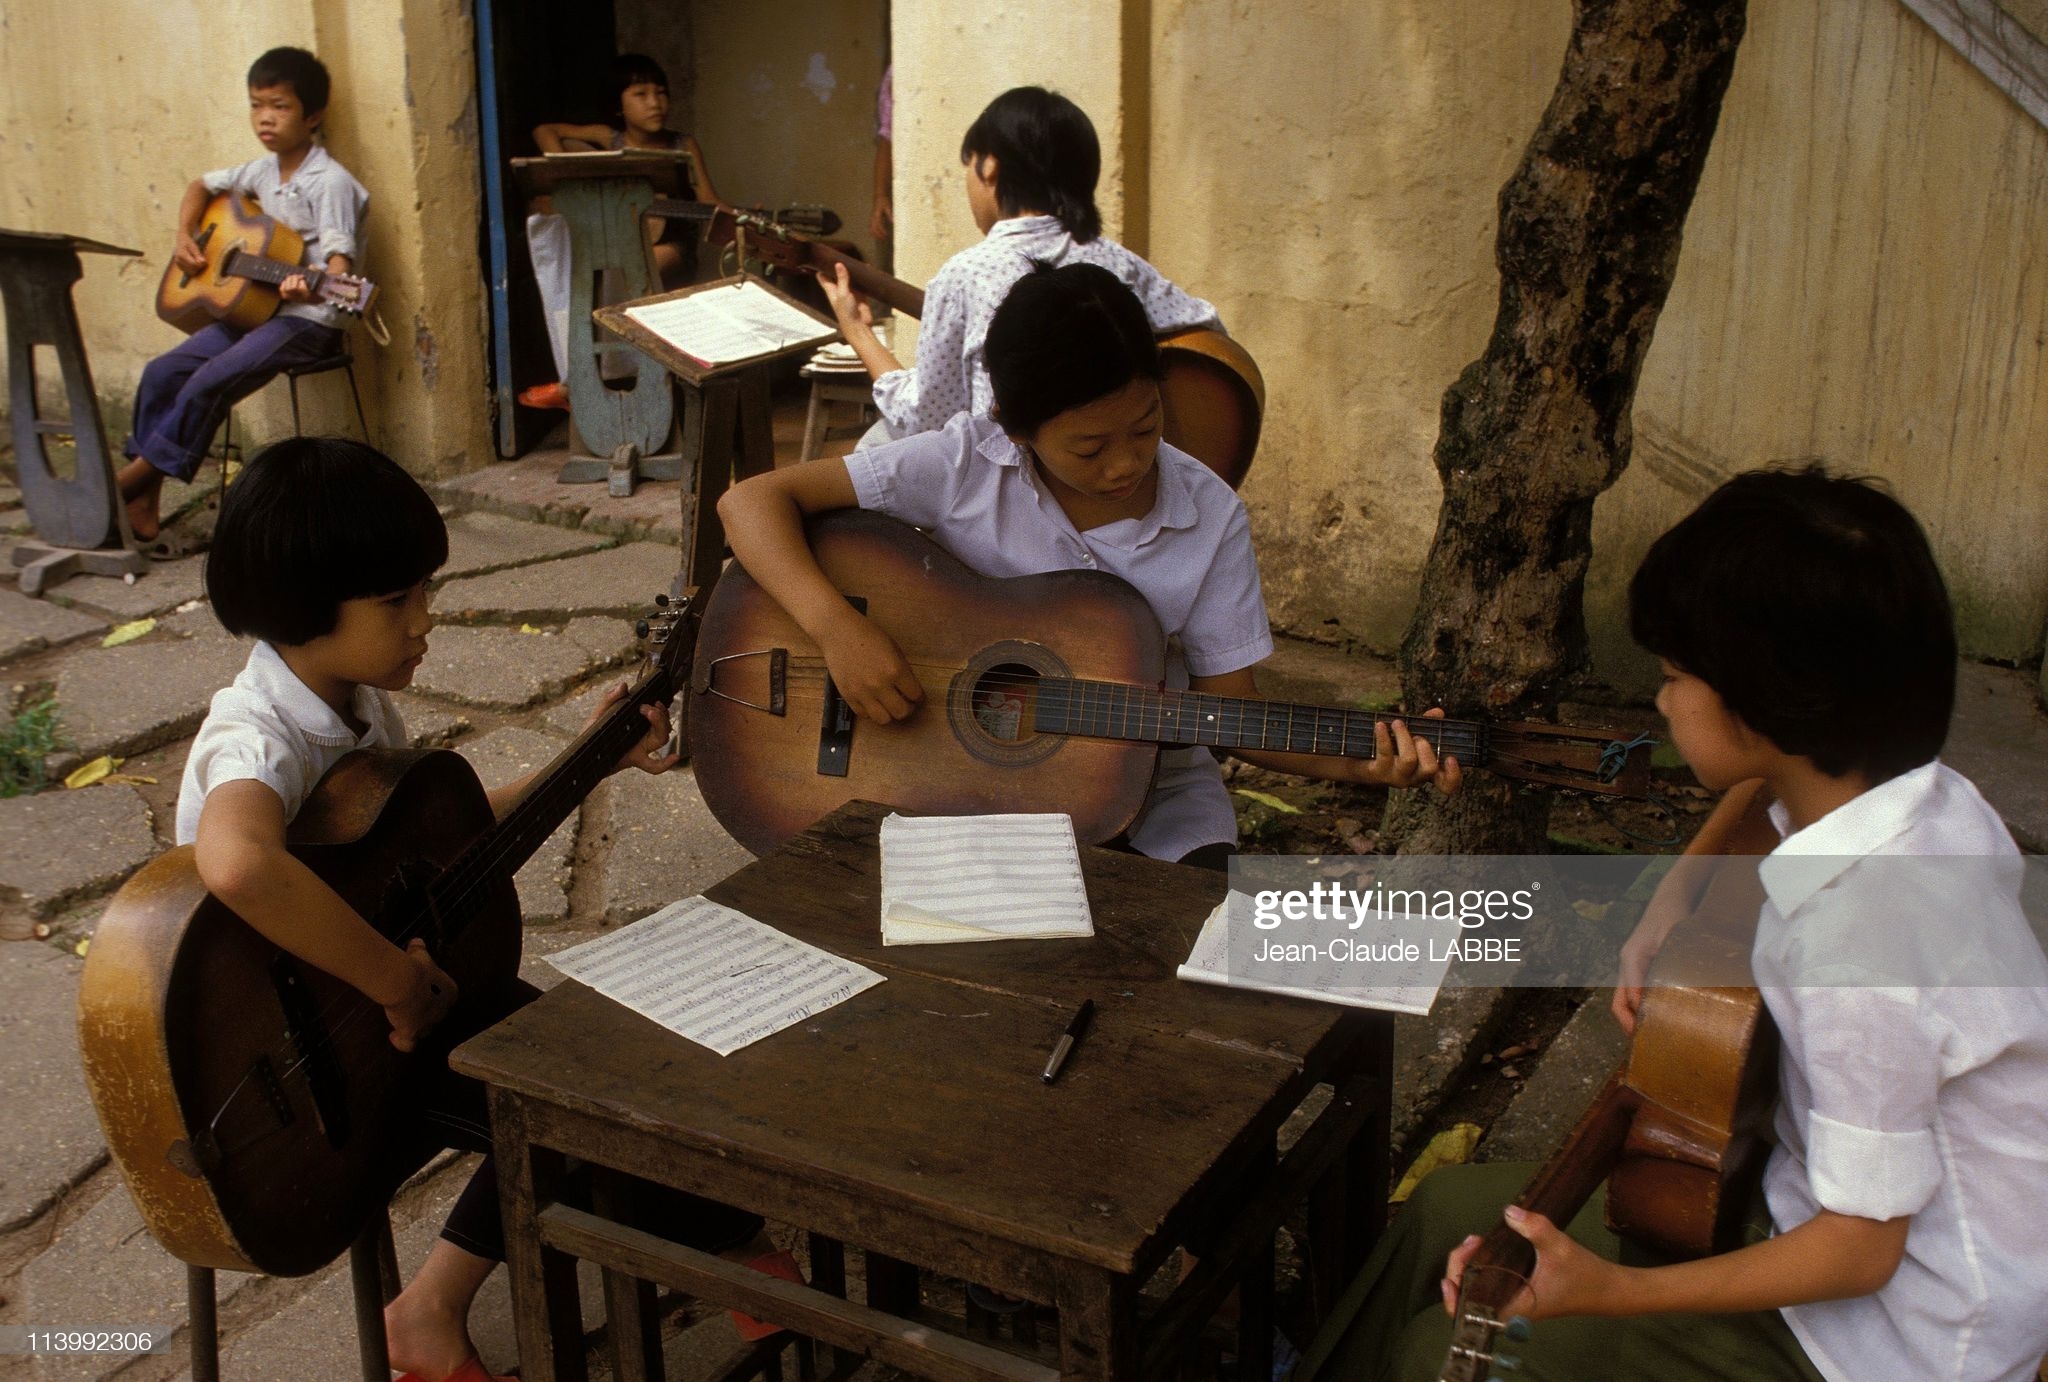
1569,1279
847,305
870,670
295,289
187,255
1402,758
432,994
652,754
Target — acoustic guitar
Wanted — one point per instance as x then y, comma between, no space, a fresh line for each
248,257
1213,393
1677,1131
255,1103
1042,693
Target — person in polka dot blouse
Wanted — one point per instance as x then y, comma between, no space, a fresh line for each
1032,160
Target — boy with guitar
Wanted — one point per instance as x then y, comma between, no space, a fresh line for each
186,392
1808,652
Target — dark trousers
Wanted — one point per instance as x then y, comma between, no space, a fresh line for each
458,1115
1398,1331
186,392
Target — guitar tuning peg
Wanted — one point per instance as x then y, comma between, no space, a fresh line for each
1519,1329
640,629
1505,1362
661,601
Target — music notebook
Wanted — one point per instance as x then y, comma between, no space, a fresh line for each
725,324
981,878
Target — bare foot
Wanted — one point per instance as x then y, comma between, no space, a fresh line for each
427,1327
141,485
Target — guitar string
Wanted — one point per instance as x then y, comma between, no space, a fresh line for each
1490,745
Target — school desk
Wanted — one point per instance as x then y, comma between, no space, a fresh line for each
911,1122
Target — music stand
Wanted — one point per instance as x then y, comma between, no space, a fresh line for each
81,520
727,414
603,195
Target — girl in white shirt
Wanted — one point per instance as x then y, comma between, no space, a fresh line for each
1032,161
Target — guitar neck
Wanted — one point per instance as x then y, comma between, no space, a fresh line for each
240,264
900,296
1113,710
556,792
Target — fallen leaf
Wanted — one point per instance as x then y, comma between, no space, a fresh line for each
1451,1147
129,779
1591,911
96,771
528,628
1268,799
127,633
82,946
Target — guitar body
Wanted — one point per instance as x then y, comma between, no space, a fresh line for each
191,302
761,771
1215,398
254,1103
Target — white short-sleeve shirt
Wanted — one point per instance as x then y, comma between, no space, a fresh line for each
1901,1096
269,726
949,376
323,202
1190,556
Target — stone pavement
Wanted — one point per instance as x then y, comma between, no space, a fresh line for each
534,609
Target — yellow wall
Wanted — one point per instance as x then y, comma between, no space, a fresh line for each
785,103
100,137
1861,280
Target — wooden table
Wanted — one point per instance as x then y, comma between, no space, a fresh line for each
911,1121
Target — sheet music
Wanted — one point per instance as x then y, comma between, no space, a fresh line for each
714,975
981,878
737,322
1415,990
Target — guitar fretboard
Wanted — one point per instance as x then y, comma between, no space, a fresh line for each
1112,710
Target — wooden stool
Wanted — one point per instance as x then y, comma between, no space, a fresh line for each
373,1274
827,388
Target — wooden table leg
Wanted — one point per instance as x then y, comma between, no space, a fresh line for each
1098,1323
1255,1292
1370,1161
546,1311
892,1284
631,1321
828,1274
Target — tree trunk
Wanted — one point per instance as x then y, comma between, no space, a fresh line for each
1537,427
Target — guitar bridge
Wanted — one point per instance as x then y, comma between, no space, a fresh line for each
308,1033
778,680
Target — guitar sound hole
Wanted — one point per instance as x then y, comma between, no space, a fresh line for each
1003,697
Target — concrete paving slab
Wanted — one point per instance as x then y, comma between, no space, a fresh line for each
1569,1072
314,1336
505,755
505,669
1999,740
15,521
431,725
59,846
50,1140
665,844
526,489
30,625
161,589
10,497
105,1271
126,699
483,542
621,580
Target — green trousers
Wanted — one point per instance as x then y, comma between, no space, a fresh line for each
1397,1330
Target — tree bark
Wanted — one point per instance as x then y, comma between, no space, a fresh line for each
1535,429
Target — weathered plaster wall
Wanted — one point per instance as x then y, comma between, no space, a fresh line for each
785,102
1860,281
100,139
